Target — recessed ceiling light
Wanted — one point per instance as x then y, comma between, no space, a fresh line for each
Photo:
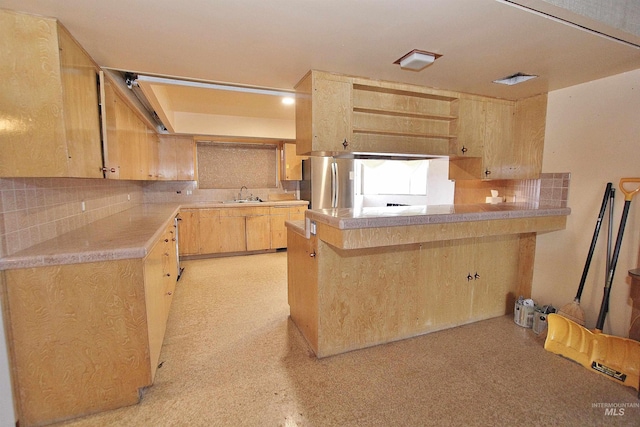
287,100
514,79
416,60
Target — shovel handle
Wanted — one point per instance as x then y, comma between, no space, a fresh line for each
628,194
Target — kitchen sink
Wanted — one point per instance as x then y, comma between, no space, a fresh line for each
243,201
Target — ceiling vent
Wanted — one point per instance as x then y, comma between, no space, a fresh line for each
514,79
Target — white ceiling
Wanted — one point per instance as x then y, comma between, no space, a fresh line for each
274,43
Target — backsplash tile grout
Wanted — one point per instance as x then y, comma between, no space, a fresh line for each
33,210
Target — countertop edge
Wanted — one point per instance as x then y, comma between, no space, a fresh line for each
348,223
29,258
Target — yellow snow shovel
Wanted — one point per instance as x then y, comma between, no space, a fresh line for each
615,357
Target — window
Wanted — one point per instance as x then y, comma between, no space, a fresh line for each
394,177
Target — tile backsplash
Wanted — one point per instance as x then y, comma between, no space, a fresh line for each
554,189
550,190
188,192
33,210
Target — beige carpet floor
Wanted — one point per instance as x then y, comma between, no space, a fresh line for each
232,357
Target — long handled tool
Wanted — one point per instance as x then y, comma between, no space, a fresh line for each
628,196
615,357
573,311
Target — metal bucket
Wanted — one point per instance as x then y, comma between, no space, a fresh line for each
523,314
540,318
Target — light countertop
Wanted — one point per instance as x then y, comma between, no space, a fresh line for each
346,219
132,233
205,205
128,234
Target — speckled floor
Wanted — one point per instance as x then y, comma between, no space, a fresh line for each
232,357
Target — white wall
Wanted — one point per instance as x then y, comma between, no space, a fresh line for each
7,418
593,131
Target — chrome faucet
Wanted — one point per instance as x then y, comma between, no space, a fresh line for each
240,193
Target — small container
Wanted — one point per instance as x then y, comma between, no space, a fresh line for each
523,314
540,318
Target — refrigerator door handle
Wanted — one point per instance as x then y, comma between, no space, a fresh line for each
334,185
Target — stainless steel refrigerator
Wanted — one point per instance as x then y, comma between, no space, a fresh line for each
327,182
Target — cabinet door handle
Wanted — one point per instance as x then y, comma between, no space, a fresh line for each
469,277
312,254
168,275
345,143
464,149
476,276
169,293
166,240
487,172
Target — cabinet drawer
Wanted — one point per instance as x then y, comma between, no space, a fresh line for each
244,211
254,211
297,209
279,210
210,213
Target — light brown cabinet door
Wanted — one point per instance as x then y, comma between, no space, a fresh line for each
331,113
189,231
176,158
278,230
152,154
49,93
291,165
470,128
296,213
323,113
497,278
529,130
154,291
258,231
130,146
81,105
219,233
185,158
209,231
498,148
231,234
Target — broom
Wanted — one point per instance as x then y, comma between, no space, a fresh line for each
573,311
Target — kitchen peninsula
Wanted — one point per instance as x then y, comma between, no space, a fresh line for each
358,278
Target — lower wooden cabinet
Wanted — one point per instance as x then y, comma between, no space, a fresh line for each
278,216
160,276
235,229
189,231
85,338
258,229
342,300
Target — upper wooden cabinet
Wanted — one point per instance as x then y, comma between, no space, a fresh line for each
498,139
130,145
290,163
176,159
486,138
337,115
135,151
49,102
